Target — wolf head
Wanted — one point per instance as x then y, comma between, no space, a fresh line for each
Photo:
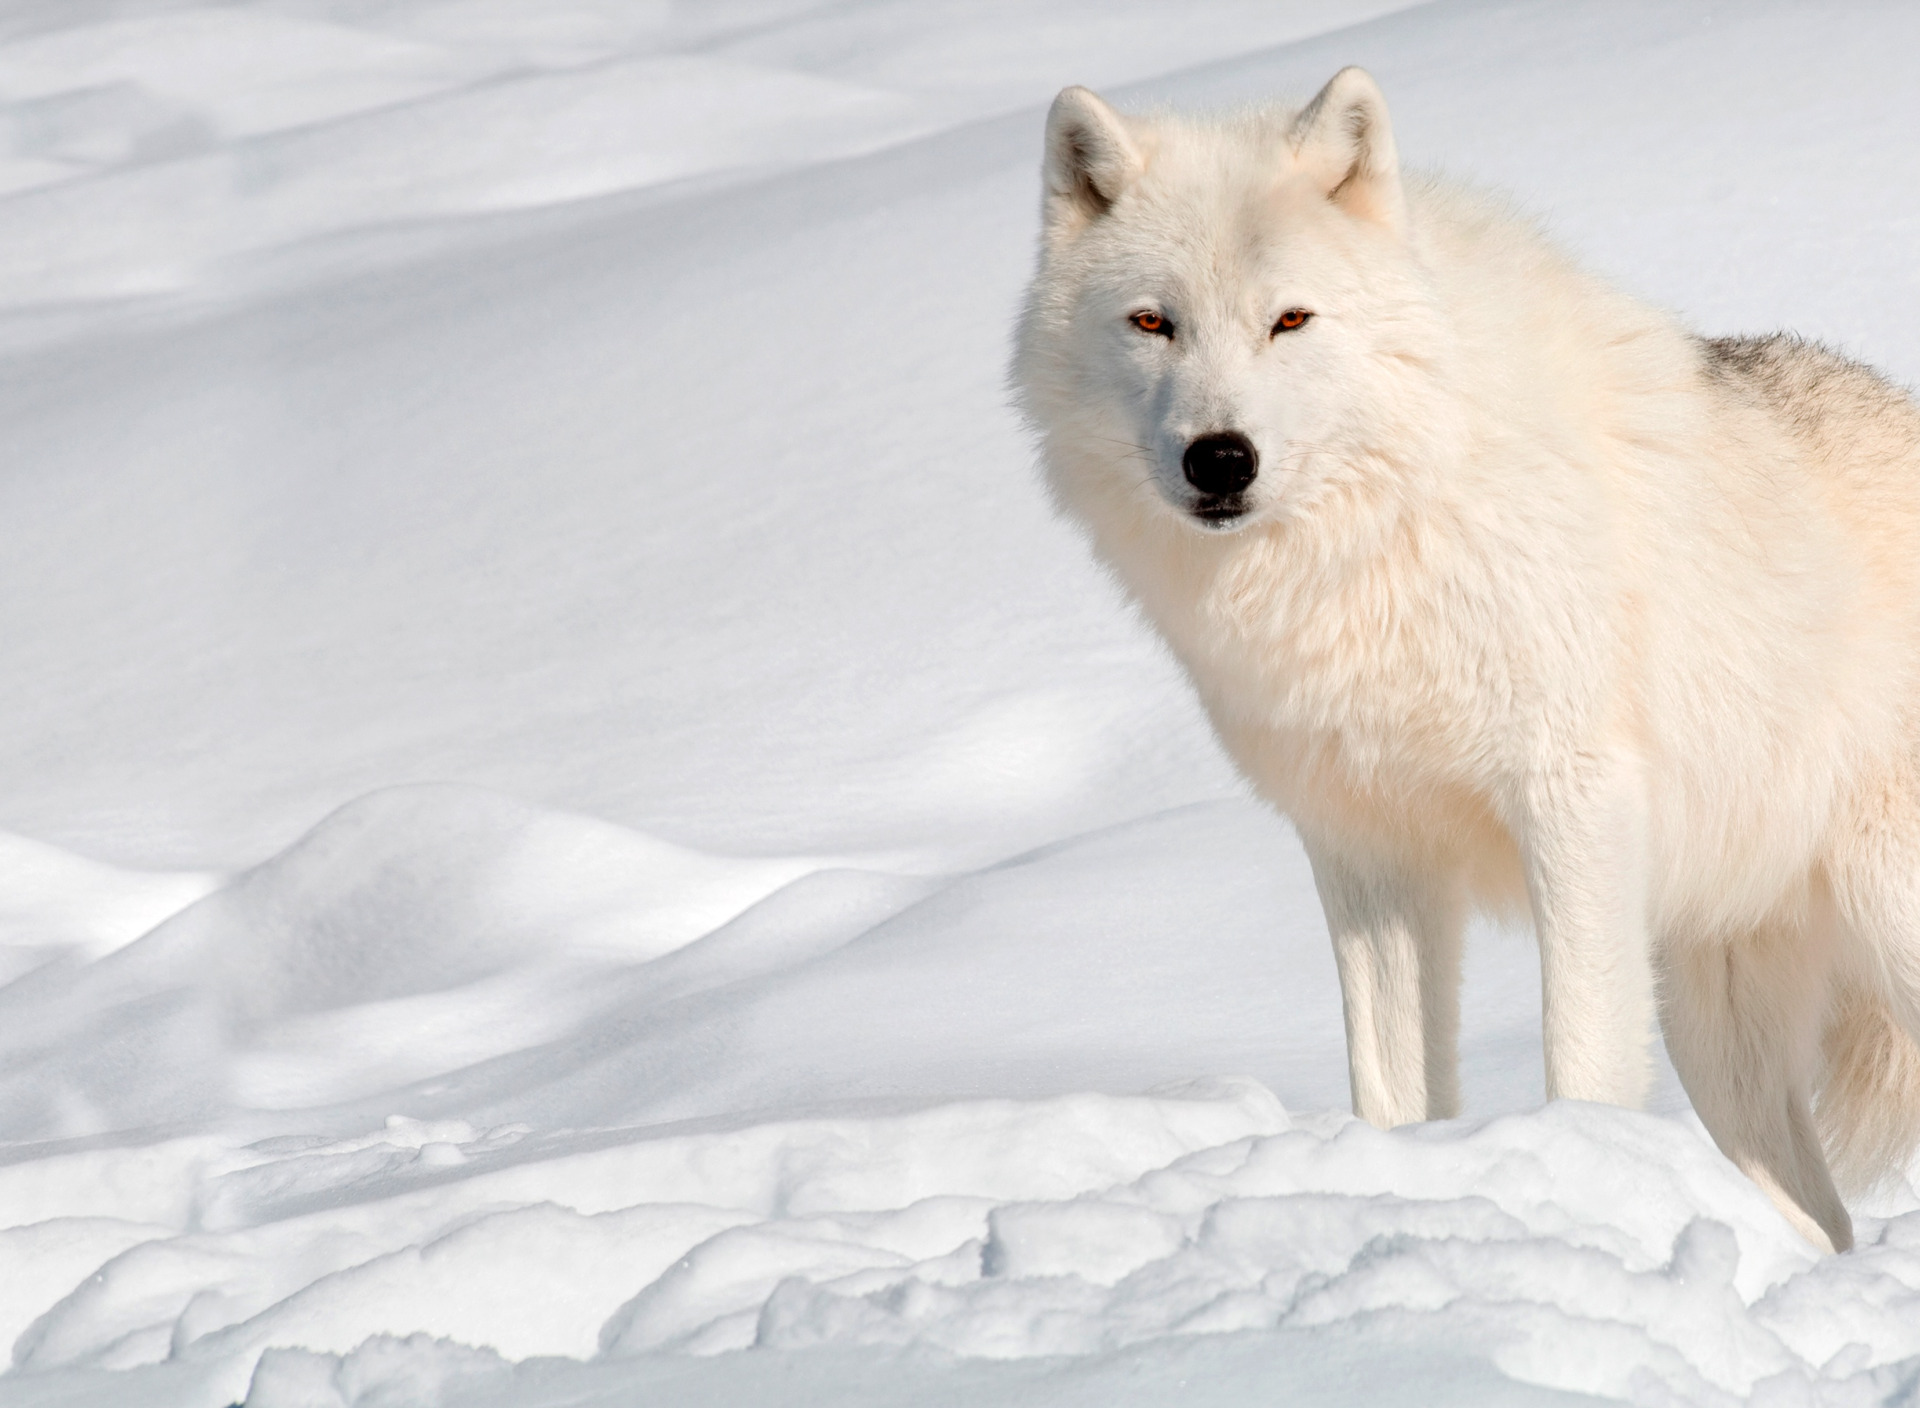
1228,317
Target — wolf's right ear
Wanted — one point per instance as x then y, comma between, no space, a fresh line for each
1344,140
1091,158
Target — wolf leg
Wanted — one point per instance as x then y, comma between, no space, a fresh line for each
1868,1110
1585,853
1870,1106
1743,1024
1396,939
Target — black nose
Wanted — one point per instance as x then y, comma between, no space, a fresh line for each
1221,464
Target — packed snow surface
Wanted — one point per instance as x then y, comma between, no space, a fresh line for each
575,833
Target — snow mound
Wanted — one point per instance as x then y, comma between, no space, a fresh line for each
56,904
1566,1249
378,933
440,1262
421,888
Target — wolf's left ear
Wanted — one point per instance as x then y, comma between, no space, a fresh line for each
1344,140
1091,158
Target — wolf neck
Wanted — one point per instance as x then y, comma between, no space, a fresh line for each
1296,612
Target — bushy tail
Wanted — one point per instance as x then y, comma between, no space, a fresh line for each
1869,1108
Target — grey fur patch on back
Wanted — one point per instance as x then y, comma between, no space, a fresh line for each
1805,383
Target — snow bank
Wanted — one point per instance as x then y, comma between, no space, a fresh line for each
1566,1249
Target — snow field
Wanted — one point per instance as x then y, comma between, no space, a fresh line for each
574,831
216,132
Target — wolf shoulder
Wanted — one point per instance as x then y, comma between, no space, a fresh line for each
1590,352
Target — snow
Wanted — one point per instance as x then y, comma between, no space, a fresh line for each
575,832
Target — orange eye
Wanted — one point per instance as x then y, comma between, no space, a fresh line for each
1149,321
1291,319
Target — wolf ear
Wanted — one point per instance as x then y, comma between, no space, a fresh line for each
1343,139
1091,158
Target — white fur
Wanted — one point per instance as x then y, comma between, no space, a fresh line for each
1539,604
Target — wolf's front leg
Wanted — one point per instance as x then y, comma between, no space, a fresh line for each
1585,846
1396,938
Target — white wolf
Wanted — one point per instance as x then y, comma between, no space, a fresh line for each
1512,593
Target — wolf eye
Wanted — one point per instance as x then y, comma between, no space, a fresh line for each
1291,319
1149,321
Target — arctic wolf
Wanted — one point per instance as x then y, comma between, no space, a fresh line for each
1513,594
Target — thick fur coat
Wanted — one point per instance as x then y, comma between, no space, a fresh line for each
1512,594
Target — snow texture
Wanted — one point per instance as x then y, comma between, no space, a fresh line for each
575,832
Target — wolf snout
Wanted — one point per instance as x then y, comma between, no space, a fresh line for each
1221,464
